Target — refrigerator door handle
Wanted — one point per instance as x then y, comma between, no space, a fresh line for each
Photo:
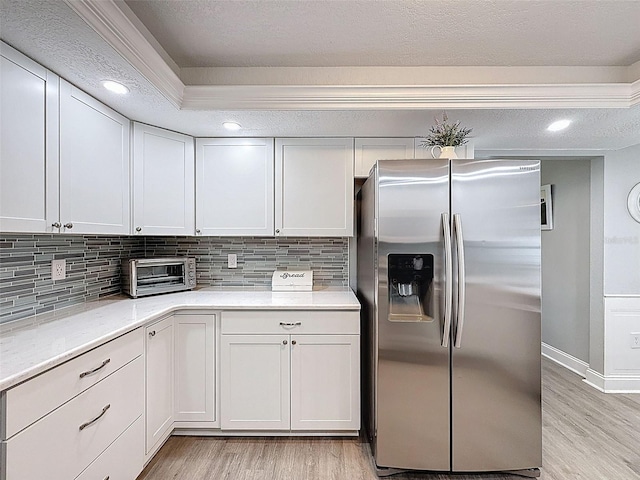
448,280
457,227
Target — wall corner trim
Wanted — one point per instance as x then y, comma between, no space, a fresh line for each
595,379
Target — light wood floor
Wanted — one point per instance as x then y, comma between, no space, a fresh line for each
587,435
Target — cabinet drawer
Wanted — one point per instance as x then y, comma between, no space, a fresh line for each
290,321
123,459
34,398
56,449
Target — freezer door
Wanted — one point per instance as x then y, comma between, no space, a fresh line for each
496,398
412,366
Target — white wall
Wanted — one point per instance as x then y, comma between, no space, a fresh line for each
566,258
620,371
621,232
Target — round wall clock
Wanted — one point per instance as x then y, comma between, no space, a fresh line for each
633,203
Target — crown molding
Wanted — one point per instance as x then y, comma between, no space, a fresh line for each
111,23
634,97
391,97
109,20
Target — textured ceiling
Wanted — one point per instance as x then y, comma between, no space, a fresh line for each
53,35
277,33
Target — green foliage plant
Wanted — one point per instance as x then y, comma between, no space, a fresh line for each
444,134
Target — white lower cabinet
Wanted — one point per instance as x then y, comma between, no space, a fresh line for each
194,366
283,380
122,460
325,382
159,383
254,380
280,371
62,444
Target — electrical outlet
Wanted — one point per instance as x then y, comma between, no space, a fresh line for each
635,339
58,269
232,260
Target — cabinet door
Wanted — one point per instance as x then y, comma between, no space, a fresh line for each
368,150
254,382
28,145
159,382
195,368
314,187
325,382
94,165
234,186
163,182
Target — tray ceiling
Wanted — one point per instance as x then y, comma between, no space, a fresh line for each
54,35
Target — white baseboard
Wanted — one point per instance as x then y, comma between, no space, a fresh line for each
613,383
564,359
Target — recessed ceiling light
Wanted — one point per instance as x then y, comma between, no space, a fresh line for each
232,126
115,87
559,125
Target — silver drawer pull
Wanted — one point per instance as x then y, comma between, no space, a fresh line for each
104,410
106,478
89,372
152,333
297,324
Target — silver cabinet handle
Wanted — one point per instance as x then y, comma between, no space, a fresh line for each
198,231
106,478
138,229
284,342
86,424
293,342
152,333
89,372
277,230
68,225
457,225
297,324
448,281
56,225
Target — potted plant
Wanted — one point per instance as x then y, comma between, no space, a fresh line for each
446,136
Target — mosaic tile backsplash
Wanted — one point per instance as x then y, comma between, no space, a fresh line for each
258,257
93,265
93,271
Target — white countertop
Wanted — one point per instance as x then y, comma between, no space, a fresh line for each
31,346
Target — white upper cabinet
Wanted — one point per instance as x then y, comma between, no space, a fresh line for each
314,187
234,186
368,150
28,144
94,165
163,182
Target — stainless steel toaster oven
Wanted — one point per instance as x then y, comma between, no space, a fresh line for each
150,276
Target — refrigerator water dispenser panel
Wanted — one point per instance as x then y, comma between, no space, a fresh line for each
410,287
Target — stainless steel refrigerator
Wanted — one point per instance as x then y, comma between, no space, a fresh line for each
449,280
